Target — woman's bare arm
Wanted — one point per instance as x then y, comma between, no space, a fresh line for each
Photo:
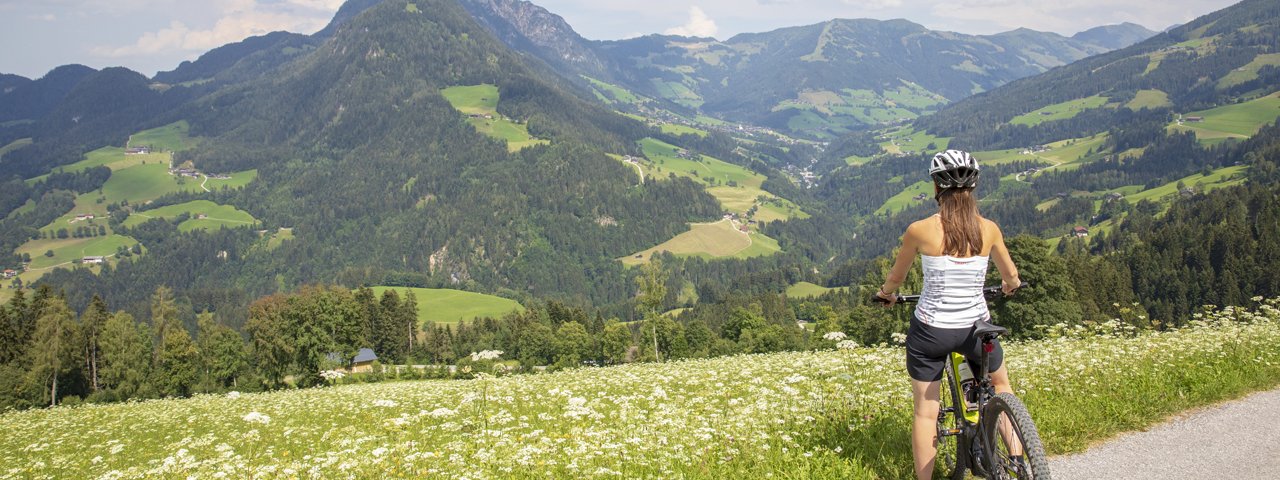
906,256
1000,254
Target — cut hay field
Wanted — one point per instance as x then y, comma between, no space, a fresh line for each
1058,111
481,101
443,305
906,197
1240,120
710,241
828,413
217,216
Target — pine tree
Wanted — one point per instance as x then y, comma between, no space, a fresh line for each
91,326
125,355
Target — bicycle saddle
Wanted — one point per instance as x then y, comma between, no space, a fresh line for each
984,327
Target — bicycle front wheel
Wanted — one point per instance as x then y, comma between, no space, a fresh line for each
1014,448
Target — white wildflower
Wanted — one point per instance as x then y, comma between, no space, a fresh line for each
233,394
385,403
255,417
835,336
486,355
847,345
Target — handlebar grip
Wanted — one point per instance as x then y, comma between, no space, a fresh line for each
876,298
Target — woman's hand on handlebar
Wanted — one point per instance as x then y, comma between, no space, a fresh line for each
886,299
1009,288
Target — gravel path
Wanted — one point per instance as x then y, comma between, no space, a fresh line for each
1238,440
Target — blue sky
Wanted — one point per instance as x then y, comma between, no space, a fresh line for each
156,35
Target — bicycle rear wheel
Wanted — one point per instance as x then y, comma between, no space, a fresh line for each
1014,448
952,449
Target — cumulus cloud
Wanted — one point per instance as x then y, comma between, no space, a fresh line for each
238,19
699,25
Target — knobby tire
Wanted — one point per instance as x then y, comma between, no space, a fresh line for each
1034,464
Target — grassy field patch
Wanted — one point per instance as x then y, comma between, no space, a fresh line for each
480,104
807,290
1249,71
444,305
907,197
1240,120
1149,99
710,240
1058,111
678,129
1222,177
906,139
66,251
174,137
736,187
611,93
14,145
216,216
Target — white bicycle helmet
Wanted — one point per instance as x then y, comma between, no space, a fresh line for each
954,169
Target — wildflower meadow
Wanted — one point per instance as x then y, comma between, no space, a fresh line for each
824,414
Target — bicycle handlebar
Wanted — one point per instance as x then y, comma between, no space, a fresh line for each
990,293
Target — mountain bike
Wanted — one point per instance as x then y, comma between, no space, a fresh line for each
980,431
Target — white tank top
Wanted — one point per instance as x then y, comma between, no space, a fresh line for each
952,293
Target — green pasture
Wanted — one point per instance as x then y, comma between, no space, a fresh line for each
908,139
174,137
482,100
140,183
1249,71
678,129
705,120
237,180
857,160
611,93
26,207
444,305
217,216
1222,177
716,174
906,197
808,290
86,203
279,237
1070,154
475,99
997,157
67,250
677,92
1059,111
711,241
1149,99
1240,120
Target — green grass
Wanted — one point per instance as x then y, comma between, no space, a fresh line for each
140,183
411,8
1059,111
907,139
855,160
1222,177
815,414
279,237
611,93
1249,71
237,180
807,290
677,129
1240,120
478,101
67,250
716,175
997,157
218,216
174,137
443,305
677,92
906,197
710,241
1149,99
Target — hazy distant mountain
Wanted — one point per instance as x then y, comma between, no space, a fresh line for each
814,80
254,56
1115,36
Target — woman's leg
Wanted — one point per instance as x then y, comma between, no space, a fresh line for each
924,426
1000,380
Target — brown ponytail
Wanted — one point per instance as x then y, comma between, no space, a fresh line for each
961,230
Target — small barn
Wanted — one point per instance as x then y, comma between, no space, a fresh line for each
363,361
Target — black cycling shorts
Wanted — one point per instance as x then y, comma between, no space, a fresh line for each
928,348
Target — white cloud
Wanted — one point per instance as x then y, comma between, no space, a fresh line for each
239,19
699,25
874,4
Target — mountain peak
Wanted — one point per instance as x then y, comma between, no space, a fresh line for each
1115,36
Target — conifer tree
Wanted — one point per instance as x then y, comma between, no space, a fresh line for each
53,353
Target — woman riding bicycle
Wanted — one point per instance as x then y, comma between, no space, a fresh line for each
954,246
